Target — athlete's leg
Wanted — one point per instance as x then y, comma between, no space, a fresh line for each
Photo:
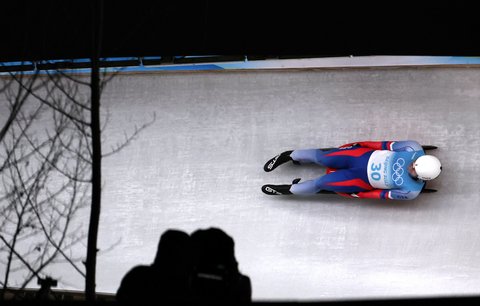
351,180
305,156
304,188
336,158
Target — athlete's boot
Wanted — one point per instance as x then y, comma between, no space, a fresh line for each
279,189
278,160
276,189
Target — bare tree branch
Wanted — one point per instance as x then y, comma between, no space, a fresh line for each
16,254
44,228
129,139
34,182
46,171
17,106
5,84
45,101
71,78
70,97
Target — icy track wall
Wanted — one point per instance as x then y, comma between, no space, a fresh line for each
200,165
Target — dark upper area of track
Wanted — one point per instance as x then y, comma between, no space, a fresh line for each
55,29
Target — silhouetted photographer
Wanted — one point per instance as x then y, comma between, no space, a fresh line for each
194,269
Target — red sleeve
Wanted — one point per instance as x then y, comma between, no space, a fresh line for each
376,145
371,194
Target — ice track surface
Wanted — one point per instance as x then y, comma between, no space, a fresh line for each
201,165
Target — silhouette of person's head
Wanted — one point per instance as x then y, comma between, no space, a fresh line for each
216,276
214,249
168,278
173,264
173,251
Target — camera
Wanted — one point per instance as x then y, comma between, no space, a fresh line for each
47,282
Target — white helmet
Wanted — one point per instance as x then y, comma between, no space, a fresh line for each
427,167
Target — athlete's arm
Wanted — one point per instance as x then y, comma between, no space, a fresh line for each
376,145
383,194
408,145
371,194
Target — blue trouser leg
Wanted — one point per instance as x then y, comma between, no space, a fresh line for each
355,157
306,156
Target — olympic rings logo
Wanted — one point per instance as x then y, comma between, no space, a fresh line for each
398,171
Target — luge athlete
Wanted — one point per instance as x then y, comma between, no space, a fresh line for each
368,169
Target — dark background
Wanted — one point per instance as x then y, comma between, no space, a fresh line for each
62,29
35,30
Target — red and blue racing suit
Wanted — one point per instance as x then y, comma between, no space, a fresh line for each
367,169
